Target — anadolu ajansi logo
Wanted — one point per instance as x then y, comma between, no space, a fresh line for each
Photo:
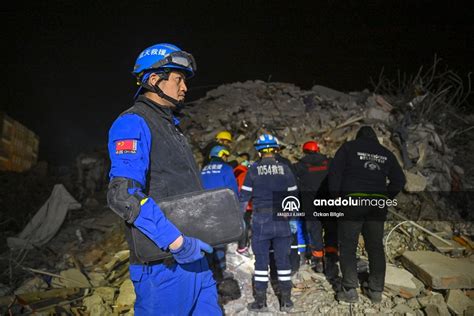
290,204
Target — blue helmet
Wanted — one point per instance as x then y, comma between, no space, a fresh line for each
266,141
161,57
219,151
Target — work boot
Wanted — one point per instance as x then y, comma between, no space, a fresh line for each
375,296
260,304
317,264
348,295
285,301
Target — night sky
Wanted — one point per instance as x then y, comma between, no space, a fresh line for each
66,64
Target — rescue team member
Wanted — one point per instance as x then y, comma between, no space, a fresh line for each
263,179
299,242
302,238
361,168
217,174
311,171
240,172
329,240
150,160
223,138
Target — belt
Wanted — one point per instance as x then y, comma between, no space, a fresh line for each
166,261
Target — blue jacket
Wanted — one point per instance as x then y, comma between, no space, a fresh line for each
218,174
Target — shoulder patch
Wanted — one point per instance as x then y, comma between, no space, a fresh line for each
126,146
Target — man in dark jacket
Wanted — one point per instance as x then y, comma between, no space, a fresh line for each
311,173
359,171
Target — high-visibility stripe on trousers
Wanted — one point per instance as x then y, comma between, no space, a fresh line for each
261,276
266,233
284,275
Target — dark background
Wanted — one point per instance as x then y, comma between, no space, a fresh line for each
66,64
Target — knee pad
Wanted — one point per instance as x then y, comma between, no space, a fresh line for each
121,201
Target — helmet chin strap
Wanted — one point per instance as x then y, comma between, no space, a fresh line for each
155,88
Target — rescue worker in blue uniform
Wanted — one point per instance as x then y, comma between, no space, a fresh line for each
223,138
299,245
217,174
265,178
150,160
302,237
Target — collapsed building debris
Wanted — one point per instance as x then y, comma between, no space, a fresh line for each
47,221
434,197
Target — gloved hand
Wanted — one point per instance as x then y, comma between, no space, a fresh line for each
191,250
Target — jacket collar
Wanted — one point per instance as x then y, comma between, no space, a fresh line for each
159,109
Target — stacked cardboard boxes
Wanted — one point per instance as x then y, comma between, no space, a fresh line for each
18,145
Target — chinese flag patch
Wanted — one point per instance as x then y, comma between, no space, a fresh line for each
126,146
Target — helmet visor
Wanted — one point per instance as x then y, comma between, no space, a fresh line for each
179,58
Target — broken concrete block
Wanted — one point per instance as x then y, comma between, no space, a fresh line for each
415,182
434,310
71,278
33,285
438,271
331,94
97,279
107,294
92,257
96,306
413,153
403,309
126,298
469,311
383,103
116,259
401,282
443,248
434,304
413,303
458,302
377,114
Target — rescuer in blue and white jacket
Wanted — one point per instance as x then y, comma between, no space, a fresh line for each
218,174
265,179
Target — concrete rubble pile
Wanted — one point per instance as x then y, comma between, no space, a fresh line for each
295,116
90,282
424,276
436,195
332,117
